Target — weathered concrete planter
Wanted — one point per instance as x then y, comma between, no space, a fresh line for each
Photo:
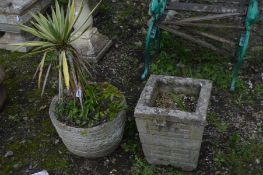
172,137
92,142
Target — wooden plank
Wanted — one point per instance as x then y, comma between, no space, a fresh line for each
209,17
216,38
203,25
196,7
193,39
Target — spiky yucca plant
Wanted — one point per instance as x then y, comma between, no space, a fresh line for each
57,33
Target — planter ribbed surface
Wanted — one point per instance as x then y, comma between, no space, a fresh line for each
171,136
92,142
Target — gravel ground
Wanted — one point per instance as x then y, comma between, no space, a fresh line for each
29,142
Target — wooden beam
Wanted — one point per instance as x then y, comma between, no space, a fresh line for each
197,7
209,17
216,38
193,39
203,25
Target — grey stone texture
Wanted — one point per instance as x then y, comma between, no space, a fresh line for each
92,46
92,142
10,38
13,13
172,137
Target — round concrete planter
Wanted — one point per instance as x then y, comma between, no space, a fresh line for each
94,142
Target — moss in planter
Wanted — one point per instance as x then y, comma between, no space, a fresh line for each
175,101
101,104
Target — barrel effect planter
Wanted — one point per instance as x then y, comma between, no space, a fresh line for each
172,137
95,142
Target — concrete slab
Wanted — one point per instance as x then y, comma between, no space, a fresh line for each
14,12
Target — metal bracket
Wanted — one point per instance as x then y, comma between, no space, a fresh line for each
157,8
251,19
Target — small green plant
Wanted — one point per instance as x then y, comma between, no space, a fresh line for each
220,159
214,120
101,104
234,139
222,127
259,90
131,146
179,102
236,155
142,168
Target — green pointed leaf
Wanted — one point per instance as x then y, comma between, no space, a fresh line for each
41,69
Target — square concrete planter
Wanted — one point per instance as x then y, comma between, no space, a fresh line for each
170,136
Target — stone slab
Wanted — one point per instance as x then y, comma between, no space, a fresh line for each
14,12
92,45
10,38
15,6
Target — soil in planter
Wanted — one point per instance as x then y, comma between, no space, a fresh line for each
176,101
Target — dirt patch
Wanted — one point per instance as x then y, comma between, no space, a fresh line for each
234,118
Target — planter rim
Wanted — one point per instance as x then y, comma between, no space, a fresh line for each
54,118
143,109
